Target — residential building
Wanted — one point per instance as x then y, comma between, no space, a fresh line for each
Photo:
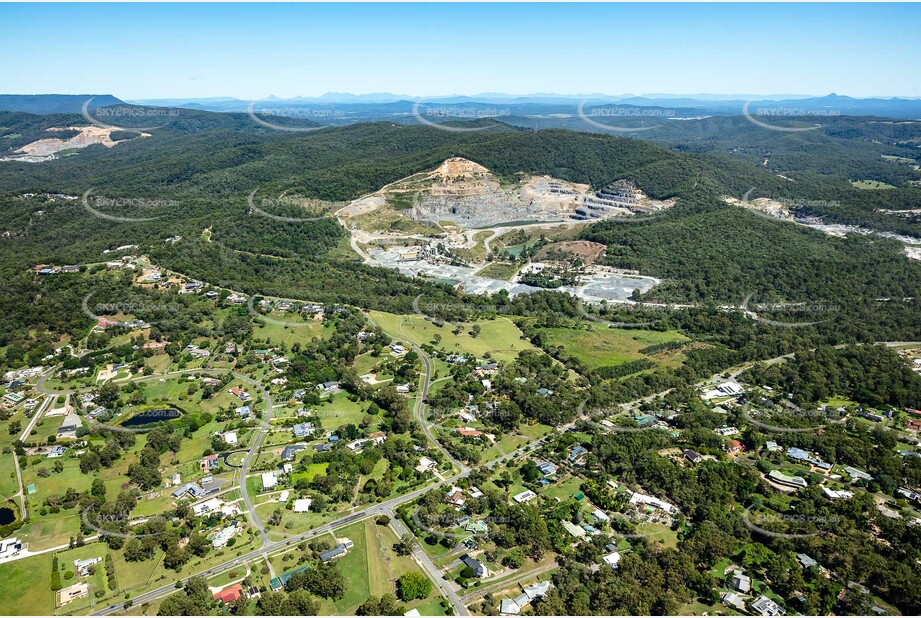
72,593
56,451
302,430
801,455
741,582
336,552
455,497
600,515
642,499
269,481
796,482
806,561
225,534
230,594
857,474
290,452
524,496
10,547
69,426
302,505
479,569
512,607
209,462
612,559
82,567
573,529
731,599
767,607
692,456
833,494
277,583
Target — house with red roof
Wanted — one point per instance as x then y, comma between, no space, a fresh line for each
230,594
467,432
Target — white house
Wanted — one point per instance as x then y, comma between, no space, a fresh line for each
612,559
269,480
302,505
524,496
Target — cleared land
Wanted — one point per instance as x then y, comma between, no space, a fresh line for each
602,347
499,338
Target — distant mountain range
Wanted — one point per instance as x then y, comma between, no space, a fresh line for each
345,108
54,103
548,103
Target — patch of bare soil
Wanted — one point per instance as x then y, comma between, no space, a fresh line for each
585,250
87,137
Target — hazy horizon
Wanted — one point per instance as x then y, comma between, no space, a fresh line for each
250,52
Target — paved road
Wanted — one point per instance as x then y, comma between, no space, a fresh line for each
433,571
508,582
257,441
21,494
421,402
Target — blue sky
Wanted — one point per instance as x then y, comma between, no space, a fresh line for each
252,51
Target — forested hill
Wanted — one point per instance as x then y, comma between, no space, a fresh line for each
203,153
54,103
199,169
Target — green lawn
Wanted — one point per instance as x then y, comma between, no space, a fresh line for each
499,270
871,184
600,347
499,337
371,568
286,329
338,410
25,586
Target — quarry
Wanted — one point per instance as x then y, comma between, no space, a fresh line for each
448,225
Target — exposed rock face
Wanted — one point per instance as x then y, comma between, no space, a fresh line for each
467,194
